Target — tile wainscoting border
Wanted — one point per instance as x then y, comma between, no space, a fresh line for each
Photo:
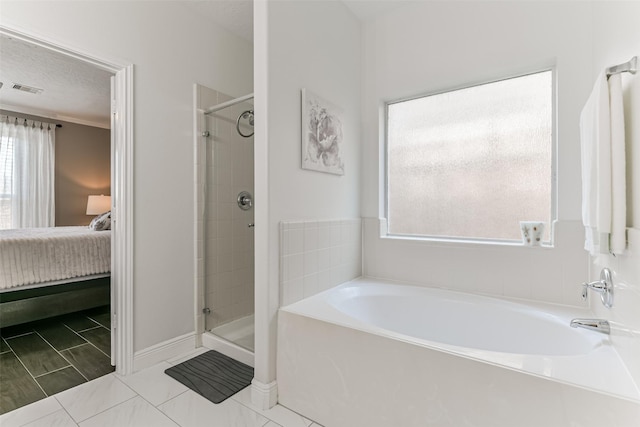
318,255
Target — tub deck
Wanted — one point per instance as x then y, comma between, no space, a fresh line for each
334,362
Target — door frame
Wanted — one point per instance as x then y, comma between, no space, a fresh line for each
121,193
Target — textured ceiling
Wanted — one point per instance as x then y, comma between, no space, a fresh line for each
73,90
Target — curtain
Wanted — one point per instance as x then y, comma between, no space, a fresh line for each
27,160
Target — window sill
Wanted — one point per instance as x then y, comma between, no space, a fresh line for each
435,241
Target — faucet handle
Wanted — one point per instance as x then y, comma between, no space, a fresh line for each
604,286
585,290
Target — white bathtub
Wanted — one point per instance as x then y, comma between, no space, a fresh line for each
373,353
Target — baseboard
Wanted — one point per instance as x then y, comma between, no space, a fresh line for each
163,351
264,396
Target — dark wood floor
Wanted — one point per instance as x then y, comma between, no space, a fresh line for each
43,358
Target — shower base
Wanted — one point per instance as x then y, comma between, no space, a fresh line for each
234,339
239,332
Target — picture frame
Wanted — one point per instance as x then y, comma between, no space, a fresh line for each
322,135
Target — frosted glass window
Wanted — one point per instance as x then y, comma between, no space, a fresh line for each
472,163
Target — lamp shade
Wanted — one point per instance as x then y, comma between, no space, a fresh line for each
98,204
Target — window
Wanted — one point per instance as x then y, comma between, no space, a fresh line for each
472,163
27,151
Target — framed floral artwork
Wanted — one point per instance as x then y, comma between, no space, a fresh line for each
322,140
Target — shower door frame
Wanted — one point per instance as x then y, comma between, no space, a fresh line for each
201,134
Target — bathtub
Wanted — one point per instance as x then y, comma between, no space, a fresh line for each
377,353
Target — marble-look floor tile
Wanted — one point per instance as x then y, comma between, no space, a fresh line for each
58,335
29,413
17,387
190,355
99,337
135,412
37,356
61,380
279,414
58,419
90,361
154,385
87,400
190,409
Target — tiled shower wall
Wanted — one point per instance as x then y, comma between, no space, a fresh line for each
224,162
318,255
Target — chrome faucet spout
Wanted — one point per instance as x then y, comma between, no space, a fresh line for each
598,325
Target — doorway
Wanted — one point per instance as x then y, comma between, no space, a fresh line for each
121,152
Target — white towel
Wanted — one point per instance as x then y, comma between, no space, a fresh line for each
603,167
618,240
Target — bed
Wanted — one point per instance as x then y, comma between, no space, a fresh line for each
47,272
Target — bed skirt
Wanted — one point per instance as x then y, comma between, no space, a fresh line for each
28,305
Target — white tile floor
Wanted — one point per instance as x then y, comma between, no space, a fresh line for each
149,398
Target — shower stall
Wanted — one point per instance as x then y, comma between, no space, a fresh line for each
225,222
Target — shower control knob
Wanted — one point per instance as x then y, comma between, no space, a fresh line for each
245,200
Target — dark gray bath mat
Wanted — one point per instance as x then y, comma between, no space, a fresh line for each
212,375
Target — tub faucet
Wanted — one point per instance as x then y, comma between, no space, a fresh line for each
598,325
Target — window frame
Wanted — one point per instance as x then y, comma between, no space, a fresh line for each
554,162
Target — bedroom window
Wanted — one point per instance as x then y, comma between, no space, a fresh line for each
469,164
27,150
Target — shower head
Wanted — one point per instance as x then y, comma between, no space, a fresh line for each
249,116
246,115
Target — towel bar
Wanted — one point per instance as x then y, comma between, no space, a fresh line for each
630,66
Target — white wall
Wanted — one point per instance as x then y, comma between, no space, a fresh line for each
616,40
171,48
313,45
431,46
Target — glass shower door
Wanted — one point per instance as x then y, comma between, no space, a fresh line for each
229,213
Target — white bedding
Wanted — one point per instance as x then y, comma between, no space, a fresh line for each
37,255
